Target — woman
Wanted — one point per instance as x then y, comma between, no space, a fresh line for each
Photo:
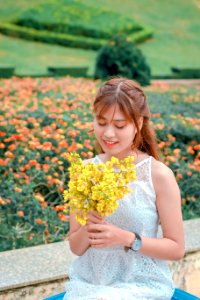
121,257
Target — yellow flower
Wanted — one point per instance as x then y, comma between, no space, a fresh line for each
97,186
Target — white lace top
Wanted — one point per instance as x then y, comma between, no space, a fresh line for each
111,273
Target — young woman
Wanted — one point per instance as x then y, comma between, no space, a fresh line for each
120,256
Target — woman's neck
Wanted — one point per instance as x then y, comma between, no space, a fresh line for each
137,154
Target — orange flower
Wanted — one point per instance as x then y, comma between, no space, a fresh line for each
27,167
17,189
54,159
179,175
39,197
20,213
2,162
177,151
38,166
47,146
46,167
46,232
63,217
84,154
39,221
161,145
171,137
197,147
12,147
32,162
2,202
190,150
9,154
171,158
73,133
2,133
160,126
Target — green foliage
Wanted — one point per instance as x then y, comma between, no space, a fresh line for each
186,73
176,121
51,37
75,25
77,18
121,57
163,51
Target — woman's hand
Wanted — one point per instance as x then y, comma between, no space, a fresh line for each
93,217
108,235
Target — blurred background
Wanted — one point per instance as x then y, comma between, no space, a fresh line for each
170,37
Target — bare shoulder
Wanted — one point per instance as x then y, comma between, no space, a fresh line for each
159,169
162,176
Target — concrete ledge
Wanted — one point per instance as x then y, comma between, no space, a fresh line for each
28,266
46,264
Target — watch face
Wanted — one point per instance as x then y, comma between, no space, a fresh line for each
137,244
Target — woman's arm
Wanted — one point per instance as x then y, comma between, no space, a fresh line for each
171,246
78,235
168,202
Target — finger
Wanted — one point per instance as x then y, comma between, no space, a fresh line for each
96,235
93,220
95,242
95,214
98,246
95,227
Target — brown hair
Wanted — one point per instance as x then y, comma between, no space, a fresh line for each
132,102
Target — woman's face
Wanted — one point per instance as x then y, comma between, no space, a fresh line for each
114,132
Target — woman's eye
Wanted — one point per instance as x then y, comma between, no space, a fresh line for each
120,127
101,124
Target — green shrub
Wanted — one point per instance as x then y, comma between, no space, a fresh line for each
6,72
121,57
77,18
51,37
72,23
186,73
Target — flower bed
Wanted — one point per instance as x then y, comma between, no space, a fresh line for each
42,119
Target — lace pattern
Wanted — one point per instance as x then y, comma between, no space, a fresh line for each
112,273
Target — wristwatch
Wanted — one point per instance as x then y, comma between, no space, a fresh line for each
137,243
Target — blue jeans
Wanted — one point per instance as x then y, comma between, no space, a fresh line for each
178,295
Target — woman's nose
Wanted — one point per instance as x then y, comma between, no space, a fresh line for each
109,132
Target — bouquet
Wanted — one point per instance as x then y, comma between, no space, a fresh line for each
97,186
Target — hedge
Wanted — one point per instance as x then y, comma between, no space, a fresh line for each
62,38
51,37
77,18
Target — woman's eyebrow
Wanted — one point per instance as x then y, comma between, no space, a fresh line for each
115,120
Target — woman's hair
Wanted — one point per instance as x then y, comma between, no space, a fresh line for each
132,103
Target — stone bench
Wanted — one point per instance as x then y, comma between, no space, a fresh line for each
37,272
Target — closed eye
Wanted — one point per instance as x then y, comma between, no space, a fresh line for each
119,127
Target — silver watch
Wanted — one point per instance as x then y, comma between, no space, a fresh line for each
137,243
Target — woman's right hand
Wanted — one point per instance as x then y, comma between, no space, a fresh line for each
93,217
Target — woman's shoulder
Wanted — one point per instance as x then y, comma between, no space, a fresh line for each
161,173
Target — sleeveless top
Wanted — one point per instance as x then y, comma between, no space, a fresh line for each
111,273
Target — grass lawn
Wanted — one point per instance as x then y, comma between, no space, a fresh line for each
175,43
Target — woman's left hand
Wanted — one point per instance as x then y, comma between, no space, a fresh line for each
106,235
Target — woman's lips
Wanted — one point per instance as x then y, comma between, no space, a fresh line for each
109,144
